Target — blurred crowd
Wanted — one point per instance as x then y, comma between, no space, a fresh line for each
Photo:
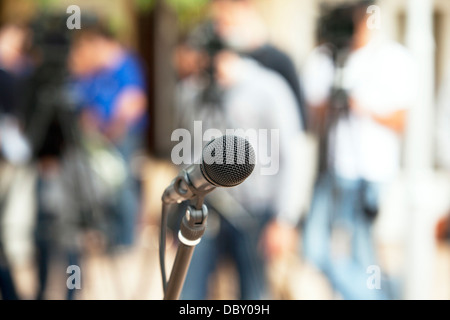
73,107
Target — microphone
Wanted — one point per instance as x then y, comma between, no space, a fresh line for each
226,162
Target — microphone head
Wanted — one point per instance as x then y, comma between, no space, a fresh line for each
227,161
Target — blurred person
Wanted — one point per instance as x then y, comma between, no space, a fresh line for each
14,40
359,87
194,82
15,66
443,147
188,61
256,221
14,149
241,29
111,86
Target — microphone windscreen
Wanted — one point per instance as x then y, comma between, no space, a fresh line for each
227,161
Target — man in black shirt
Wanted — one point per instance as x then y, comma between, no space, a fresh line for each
240,28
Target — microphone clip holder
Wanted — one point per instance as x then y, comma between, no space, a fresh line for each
193,225
183,187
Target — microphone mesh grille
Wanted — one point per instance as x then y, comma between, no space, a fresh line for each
228,161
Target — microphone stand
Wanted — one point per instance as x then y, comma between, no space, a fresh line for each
192,228
192,183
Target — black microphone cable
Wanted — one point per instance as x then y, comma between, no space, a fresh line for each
162,243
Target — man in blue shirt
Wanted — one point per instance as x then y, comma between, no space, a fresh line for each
111,88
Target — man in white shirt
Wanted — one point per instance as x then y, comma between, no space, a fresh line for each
363,151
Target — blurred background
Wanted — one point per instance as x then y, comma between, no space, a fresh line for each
87,117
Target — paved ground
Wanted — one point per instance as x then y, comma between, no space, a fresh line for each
134,274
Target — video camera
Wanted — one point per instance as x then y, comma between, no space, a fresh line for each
205,39
337,24
49,104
